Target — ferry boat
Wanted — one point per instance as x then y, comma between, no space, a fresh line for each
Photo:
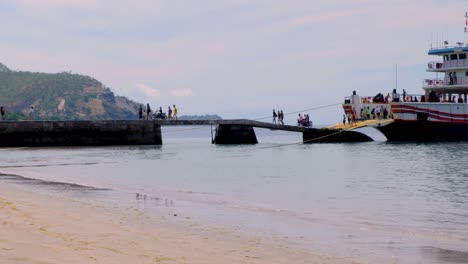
440,114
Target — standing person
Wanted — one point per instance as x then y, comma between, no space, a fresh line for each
161,113
175,113
450,78
353,117
140,112
169,112
395,96
2,113
344,119
274,116
31,112
454,78
282,117
404,95
148,111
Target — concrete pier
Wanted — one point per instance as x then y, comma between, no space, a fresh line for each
235,134
79,133
148,132
240,131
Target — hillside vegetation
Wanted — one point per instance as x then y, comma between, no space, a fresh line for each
60,96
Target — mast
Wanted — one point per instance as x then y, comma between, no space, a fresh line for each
396,77
466,21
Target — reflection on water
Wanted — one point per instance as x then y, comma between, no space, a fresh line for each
379,200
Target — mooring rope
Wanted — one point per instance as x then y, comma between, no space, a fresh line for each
306,141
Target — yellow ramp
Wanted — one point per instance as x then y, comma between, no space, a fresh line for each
361,123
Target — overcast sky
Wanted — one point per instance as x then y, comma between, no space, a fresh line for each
236,58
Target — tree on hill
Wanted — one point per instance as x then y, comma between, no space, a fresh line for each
61,96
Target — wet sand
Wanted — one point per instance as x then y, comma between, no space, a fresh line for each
38,228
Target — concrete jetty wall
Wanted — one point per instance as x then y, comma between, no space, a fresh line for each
79,133
235,134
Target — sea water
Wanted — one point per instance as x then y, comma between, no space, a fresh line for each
375,202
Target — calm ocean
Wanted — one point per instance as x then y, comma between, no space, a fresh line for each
376,202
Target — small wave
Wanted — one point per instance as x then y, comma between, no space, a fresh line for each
47,165
61,185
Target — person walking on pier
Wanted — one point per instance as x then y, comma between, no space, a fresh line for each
175,113
140,112
169,112
148,112
274,116
31,112
281,117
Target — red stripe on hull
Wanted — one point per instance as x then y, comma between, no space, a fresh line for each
410,107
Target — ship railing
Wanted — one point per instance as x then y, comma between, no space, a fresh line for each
436,65
445,46
370,99
365,100
427,83
433,82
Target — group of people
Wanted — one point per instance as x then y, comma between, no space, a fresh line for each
278,118
279,115
147,113
304,121
374,113
351,117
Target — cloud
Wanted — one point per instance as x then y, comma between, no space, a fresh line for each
148,91
182,92
318,17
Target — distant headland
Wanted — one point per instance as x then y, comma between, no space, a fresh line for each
64,96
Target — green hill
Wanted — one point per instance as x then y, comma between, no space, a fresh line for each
60,96
4,68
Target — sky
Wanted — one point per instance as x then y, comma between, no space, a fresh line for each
235,58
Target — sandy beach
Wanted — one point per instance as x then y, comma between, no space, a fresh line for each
38,228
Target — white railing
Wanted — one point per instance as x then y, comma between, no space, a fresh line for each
445,82
387,99
441,45
439,65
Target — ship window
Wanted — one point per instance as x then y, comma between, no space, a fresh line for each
453,56
462,56
445,57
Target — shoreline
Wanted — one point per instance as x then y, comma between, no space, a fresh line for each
40,228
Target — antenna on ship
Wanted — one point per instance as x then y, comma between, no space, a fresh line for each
396,76
466,21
